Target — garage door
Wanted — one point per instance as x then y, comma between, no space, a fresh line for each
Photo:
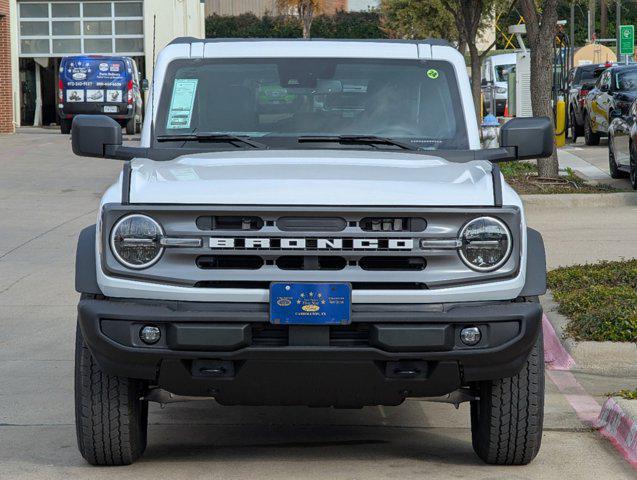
58,28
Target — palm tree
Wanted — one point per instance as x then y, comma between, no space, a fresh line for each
306,9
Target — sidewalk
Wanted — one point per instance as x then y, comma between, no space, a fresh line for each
590,162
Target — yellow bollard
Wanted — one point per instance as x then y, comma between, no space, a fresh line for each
560,123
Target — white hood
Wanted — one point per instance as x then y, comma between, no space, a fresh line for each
317,177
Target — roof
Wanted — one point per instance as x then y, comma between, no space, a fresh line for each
428,41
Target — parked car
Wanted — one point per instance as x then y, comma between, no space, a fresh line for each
581,80
614,93
100,85
355,248
622,135
495,73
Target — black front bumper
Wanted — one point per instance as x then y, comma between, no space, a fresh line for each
232,352
70,110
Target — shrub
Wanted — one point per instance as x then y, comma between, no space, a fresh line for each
600,300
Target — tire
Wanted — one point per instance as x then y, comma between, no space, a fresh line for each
138,126
615,172
632,176
576,130
65,126
590,137
130,126
110,418
506,423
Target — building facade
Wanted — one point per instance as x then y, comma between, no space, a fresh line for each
42,32
263,7
6,94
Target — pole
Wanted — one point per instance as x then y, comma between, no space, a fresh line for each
618,21
572,35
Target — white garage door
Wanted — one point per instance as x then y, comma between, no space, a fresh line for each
58,28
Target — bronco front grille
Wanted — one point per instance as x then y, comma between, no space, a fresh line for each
368,247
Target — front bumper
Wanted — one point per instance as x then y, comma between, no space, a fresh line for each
231,352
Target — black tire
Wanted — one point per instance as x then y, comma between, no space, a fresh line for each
110,419
590,137
65,126
576,130
507,421
615,172
130,126
632,175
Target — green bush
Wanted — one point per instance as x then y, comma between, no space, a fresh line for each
340,25
600,300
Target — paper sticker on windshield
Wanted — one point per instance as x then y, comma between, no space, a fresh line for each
432,73
182,103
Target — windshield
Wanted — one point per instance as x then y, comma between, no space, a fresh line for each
275,99
502,72
626,81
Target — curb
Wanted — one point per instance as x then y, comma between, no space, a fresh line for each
570,200
617,425
614,359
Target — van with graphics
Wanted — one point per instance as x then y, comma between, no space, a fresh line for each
100,85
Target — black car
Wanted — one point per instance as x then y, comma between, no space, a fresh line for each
581,80
612,96
622,134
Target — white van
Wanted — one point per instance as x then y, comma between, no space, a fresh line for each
495,71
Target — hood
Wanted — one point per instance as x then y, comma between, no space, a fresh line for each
323,177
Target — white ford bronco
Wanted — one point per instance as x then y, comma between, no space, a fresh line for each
310,223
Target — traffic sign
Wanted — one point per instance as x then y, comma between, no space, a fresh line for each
627,40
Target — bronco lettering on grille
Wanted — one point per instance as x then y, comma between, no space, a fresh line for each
311,243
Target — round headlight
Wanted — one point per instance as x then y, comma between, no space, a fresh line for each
135,241
486,244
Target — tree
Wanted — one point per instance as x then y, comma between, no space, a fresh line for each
417,19
305,9
541,26
472,18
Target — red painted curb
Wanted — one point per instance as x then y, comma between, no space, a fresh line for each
616,425
555,355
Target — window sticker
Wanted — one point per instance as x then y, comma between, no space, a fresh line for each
182,103
432,73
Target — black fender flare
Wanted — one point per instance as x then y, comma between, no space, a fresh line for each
85,274
535,284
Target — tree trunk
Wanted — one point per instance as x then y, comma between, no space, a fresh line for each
541,85
592,6
306,13
476,78
603,18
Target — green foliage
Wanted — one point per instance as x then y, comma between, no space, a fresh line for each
340,25
514,169
627,394
599,299
417,19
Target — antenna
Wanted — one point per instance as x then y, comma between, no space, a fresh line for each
152,87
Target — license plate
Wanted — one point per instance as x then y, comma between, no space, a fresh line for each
310,303
110,109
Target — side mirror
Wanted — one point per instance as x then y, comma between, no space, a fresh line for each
100,136
145,84
603,88
91,135
484,82
530,137
615,114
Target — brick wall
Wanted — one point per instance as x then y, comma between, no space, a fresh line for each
6,95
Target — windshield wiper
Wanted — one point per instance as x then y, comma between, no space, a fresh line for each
211,137
357,139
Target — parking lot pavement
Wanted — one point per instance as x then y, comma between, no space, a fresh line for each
46,197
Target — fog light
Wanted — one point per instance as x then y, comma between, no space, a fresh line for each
470,336
150,334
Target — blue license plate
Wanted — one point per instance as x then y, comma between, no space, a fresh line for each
310,303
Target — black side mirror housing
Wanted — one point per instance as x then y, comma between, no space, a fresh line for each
92,134
145,84
615,114
603,88
530,137
101,137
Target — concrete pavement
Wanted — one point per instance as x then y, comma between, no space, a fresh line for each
47,195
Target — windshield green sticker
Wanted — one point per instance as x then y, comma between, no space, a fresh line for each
182,103
432,73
